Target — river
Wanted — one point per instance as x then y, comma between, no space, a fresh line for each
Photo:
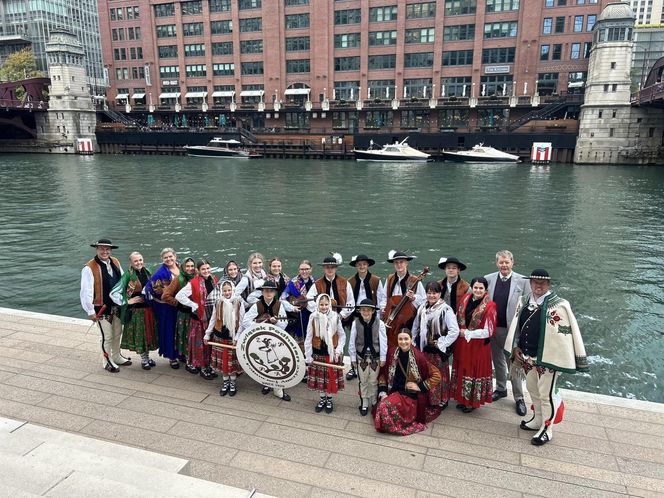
597,229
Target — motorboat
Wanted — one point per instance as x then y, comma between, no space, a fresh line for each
480,153
396,152
221,148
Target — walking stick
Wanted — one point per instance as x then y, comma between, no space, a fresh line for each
109,366
101,310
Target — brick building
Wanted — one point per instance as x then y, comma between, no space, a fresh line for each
348,65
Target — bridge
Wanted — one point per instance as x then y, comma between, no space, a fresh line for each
19,101
652,91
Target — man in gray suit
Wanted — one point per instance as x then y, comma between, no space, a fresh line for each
505,289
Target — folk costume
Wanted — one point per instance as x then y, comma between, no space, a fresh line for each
248,288
296,289
98,277
165,314
281,280
435,330
453,292
400,411
367,348
193,296
324,343
139,326
338,289
472,381
548,335
224,327
184,313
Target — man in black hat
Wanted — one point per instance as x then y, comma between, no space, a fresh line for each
544,339
367,349
365,286
269,309
453,286
98,278
334,286
505,289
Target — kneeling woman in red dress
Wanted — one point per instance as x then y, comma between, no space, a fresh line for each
472,382
403,385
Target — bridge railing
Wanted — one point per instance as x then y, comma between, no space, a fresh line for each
19,104
648,94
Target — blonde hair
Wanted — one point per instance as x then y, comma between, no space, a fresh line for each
253,256
166,250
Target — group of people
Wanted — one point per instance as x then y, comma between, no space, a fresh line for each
398,332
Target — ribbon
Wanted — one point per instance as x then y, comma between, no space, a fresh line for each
332,387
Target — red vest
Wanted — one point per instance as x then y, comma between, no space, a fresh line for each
198,284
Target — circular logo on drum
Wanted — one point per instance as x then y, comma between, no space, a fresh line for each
270,356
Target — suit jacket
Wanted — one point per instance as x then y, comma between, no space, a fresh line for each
519,286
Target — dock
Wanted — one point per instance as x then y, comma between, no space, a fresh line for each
53,388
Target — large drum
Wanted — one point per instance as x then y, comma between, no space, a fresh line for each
270,356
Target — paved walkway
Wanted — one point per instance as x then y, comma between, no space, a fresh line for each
50,374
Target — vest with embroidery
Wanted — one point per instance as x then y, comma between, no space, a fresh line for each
262,309
316,341
100,295
360,338
219,327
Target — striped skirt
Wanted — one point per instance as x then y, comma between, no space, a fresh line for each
329,380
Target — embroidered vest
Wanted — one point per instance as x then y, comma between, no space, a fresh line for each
262,309
316,340
219,319
361,338
100,294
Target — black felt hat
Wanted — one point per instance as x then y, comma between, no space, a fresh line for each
334,259
392,256
539,274
268,285
103,243
444,261
366,303
361,257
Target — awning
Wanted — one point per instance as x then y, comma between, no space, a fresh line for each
138,96
195,95
168,95
223,93
576,84
297,91
121,96
251,93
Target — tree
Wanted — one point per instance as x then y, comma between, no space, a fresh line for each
20,66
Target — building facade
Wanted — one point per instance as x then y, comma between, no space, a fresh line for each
648,12
34,20
343,64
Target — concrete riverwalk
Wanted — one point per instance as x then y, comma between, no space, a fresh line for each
51,376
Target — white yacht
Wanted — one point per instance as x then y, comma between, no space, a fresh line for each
480,154
396,152
219,147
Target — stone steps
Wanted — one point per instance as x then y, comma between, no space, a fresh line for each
38,461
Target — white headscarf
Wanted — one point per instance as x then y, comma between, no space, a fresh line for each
325,324
229,317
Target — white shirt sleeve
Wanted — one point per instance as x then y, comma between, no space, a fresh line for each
311,294
416,327
87,291
350,302
452,331
183,296
116,293
420,296
352,352
249,317
286,306
381,296
477,334
341,339
239,288
382,334
210,328
308,347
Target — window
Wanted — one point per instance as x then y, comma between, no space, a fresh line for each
222,48
249,68
496,85
346,63
651,132
351,16
414,119
136,53
557,53
613,65
251,24
122,73
191,8
453,118
492,118
134,33
501,5
606,88
382,38
500,29
132,13
220,5
298,66
194,50
586,49
381,89
590,22
420,35
420,10
421,59
164,10
578,24
378,119
251,46
299,120
296,21
120,54
349,40
221,27
498,55
614,87
610,132
195,70
166,31
458,58
548,3
560,24
388,61
118,34
547,25
168,51
248,4
614,113
383,14
223,69
169,72
599,114
562,3
456,86
575,52
297,2
460,7
344,120
459,32
420,87
545,51
344,89
192,29
547,83
297,43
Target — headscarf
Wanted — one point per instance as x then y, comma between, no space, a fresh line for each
431,315
325,324
225,276
229,318
184,277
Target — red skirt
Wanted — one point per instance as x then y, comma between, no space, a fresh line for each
199,353
224,360
396,414
472,380
440,393
323,378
